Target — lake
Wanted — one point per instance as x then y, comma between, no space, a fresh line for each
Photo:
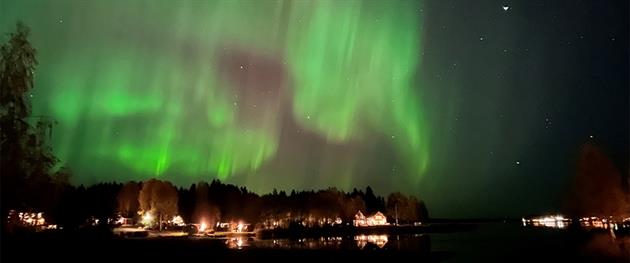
491,242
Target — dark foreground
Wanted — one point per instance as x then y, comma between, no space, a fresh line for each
485,243
188,250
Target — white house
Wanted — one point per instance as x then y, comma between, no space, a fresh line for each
378,219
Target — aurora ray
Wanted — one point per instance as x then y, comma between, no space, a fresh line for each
202,91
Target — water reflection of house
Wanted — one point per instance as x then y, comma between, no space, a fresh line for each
236,242
377,219
378,240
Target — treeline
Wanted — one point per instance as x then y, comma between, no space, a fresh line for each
217,201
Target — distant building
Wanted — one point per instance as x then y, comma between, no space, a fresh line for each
359,219
33,220
233,227
377,219
223,227
124,221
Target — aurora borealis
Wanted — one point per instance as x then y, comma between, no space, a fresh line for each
197,99
426,98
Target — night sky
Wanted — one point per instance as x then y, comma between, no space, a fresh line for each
477,107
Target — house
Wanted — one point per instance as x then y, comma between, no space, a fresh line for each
359,219
124,221
378,219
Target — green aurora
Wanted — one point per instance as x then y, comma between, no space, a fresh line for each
155,88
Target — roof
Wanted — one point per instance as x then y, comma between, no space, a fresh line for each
379,214
359,214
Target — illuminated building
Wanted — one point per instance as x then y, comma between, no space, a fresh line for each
378,219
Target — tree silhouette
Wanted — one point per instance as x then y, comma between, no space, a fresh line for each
204,211
159,198
26,160
599,188
407,209
128,199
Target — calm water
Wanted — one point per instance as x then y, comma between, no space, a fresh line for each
506,242
496,242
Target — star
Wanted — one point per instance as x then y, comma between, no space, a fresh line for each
308,117
518,162
506,7
591,136
481,38
241,66
547,123
60,20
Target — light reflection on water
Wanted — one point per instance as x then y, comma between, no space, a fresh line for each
416,242
237,242
492,242
378,240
